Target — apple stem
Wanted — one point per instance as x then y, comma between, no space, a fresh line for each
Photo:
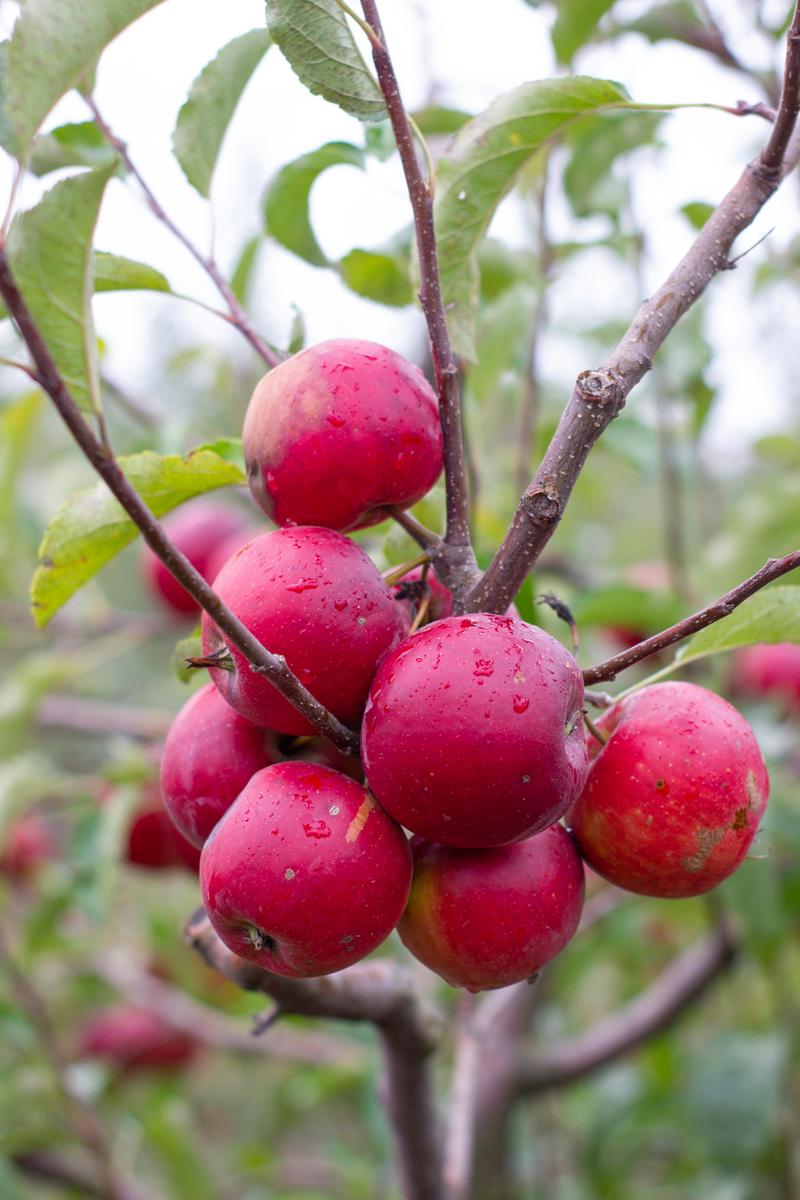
598,734
422,613
394,574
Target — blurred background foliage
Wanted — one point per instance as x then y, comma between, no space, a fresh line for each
656,526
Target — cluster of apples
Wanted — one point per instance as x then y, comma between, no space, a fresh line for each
472,732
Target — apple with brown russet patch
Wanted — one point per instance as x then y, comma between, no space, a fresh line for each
674,798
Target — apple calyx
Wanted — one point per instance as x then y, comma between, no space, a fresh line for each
221,659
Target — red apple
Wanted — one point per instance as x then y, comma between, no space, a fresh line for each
488,918
769,670
28,842
153,841
305,873
674,798
338,432
473,733
209,755
198,529
314,597
410,591
134,1038
319,750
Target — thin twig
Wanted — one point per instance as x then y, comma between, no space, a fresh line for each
424,537
238,317
600,395
383,993
272,666
723,607
420,192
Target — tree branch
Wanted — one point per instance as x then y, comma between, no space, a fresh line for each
680,984
217,1030
272,666
600,395
488,1047
461,566
723,607
774,153
382,992
238,317
99,716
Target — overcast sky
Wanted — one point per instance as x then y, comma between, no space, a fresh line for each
472,51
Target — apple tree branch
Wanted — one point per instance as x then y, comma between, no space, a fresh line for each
273,666
455,560
599,395
382,992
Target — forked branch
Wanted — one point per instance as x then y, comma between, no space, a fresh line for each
383,993
238,317
600,394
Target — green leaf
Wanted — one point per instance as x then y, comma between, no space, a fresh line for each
380,277
77,145
231,449
213,97
676,20
243,271
297,331
17,425
92,527
770,616
438,121
379,140
594,146
190,646
317,41
734,1094
482,164
697,213
286,202
626,606
54,46
115,274
50,249
575,24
